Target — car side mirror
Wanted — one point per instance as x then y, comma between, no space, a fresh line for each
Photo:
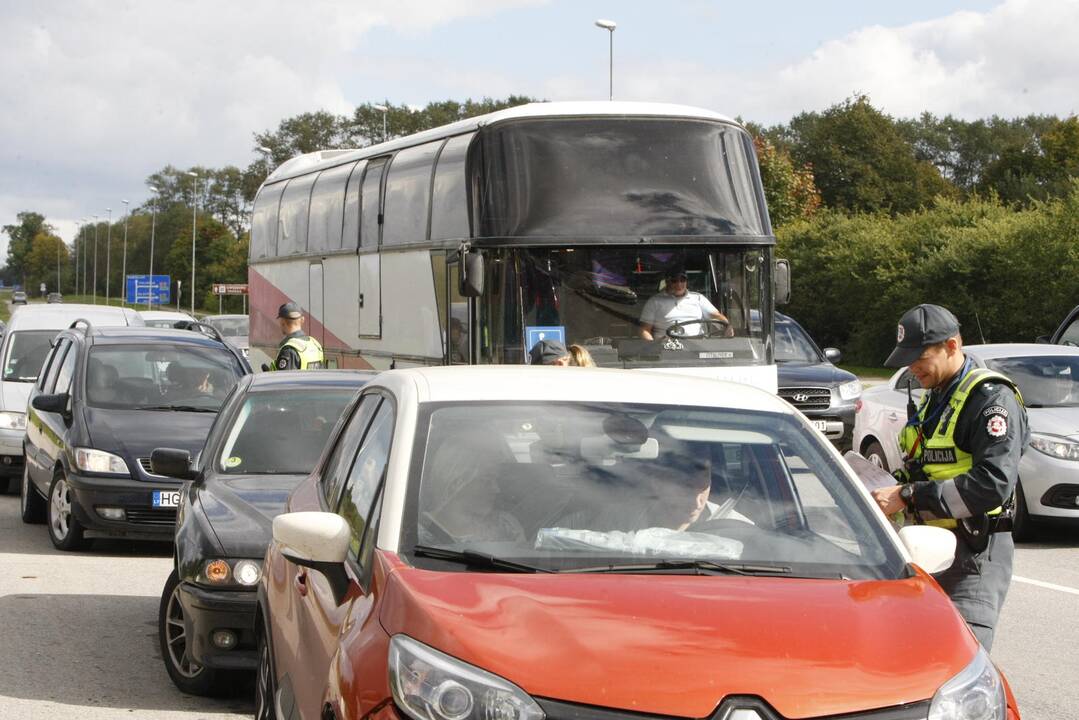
316,540
471,273
931,548
1042,339
833,355
783,281
173,463
58,404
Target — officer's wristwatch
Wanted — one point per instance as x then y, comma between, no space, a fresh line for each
906,494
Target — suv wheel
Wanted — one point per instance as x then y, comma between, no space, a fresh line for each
1022,525
65,530
31,504
874,453
265,705
191,677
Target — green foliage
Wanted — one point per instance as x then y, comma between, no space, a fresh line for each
48,253
1008,275
20,242
789,190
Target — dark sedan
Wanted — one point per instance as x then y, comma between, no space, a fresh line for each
270,434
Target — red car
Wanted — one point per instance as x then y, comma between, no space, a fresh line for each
527,543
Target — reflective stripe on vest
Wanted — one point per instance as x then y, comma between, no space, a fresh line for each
310,352
942,459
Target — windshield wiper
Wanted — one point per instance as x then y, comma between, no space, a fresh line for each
700,566
474,558
177,408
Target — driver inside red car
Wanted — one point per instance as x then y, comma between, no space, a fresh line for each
679,307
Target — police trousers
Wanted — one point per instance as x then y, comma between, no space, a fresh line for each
977,583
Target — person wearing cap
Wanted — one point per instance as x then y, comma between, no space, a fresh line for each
678,304
297,350
549,352
961,448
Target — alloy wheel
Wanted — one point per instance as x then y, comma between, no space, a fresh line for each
60,517
176,638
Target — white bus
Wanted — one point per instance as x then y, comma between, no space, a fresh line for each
469,242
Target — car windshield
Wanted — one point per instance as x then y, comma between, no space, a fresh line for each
282,432
160,377
1044,380
572,485
229,327
793,345
26,352
161,323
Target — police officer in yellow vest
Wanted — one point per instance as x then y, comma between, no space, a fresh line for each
297,351
961,449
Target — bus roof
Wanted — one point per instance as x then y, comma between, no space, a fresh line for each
321,159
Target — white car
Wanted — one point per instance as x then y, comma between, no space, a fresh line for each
1048,378
163,318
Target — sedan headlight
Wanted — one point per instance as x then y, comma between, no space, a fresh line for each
850,390
976,693
12,421
430,685
99,461
1053,446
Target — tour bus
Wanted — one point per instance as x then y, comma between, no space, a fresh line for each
470,242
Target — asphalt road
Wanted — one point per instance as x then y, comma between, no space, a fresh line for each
78,631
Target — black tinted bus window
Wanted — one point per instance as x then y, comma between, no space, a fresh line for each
327,209
449,202
264,221
295,203
593,177
350,233
408,194
370,201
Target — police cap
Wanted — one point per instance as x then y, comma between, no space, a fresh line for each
289,311
545,352
920,327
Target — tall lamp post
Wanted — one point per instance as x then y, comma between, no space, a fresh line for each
609,26
194,211
78,236
384,110
108,256
123,272
153,226
95,259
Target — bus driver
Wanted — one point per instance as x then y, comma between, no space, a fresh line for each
678,304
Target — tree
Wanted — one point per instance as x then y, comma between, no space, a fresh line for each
47,253
789,190
21,237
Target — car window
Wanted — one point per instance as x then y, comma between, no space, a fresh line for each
67,370
793,345
229,327
1070,336
26,353
578,485
282,432
52,365
337,467
1043,380
160,376
365,476
907,378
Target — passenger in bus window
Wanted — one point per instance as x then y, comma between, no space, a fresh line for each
580,357
678,304
458,343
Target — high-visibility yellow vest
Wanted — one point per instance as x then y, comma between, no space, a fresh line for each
309,350
941,459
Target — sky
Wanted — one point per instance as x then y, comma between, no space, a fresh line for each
97,94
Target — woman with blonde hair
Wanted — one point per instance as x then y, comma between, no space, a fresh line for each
579,357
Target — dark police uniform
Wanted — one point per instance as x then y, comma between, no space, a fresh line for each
297,351
961,450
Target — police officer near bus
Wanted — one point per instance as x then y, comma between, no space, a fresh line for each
961,449
297,350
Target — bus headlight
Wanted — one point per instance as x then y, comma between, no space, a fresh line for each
430,685
976,693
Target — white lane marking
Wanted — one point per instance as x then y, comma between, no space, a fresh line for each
1051,586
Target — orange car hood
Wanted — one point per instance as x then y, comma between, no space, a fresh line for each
678,644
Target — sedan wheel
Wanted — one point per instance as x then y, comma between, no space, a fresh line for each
265,709
65,530
1022,525
189,676
31,504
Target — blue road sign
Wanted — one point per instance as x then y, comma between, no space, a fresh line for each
146,289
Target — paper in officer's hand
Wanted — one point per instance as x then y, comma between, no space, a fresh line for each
871,476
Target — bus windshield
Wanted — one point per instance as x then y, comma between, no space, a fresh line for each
611,299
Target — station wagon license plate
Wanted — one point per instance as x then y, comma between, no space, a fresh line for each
166,498
820,425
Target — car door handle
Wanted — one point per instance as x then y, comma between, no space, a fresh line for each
893,415
301,583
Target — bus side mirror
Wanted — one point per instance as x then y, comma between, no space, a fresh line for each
783,282
471,273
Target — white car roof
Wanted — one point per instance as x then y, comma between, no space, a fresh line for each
992,351
572,384
58,316
164,315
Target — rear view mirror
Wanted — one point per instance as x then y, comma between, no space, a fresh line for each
316,540
172,463
833,355
931,548
471,272
783,281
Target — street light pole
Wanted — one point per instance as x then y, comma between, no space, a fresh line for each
609,26
58,266
95,259
123,272
153,226
384,110
194,211
108,256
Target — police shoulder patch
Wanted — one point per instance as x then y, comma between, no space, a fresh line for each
997,426
995,410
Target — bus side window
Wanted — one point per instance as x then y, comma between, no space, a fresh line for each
350,232
408,195
449,202
295,204
371,204
264,221
327,209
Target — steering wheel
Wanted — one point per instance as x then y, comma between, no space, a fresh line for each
716,328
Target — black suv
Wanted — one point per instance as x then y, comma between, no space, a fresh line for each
105,398
810,381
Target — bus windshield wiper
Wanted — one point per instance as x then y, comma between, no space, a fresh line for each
474,558
177,408
701,567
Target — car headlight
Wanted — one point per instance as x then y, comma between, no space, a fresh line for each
1053,446
99,461
850,390
976,693
12,421
430,685
231,572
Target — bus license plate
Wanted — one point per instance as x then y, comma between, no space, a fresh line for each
820,425
166,498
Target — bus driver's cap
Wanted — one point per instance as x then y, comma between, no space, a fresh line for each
289,311
919,328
